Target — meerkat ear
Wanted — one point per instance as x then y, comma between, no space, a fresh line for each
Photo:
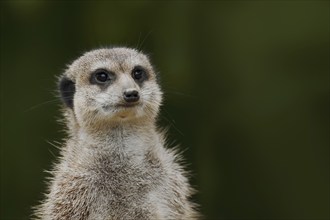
67,89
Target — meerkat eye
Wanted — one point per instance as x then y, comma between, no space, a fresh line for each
139,74
101,76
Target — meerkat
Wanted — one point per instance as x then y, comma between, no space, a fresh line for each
115,164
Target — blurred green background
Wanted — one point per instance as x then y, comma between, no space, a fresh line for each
246,96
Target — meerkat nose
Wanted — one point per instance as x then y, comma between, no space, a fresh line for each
131,95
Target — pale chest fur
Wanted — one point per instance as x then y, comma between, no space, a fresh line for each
127,176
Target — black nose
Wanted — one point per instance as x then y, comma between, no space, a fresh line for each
131,96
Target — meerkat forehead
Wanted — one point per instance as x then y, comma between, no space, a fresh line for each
115,59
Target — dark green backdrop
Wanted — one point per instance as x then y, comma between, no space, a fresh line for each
246,96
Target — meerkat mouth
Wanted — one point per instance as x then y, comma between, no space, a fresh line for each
127,105
120,106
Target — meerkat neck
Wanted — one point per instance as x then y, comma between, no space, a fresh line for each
126,136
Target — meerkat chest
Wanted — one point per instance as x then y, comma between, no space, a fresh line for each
129,165
122,185
123,174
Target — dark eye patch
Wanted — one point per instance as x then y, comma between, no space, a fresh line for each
139,74
102,77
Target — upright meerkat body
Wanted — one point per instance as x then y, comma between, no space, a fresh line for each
114,164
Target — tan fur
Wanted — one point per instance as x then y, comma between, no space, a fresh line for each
114,164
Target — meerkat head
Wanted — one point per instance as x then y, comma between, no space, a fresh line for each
107,86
